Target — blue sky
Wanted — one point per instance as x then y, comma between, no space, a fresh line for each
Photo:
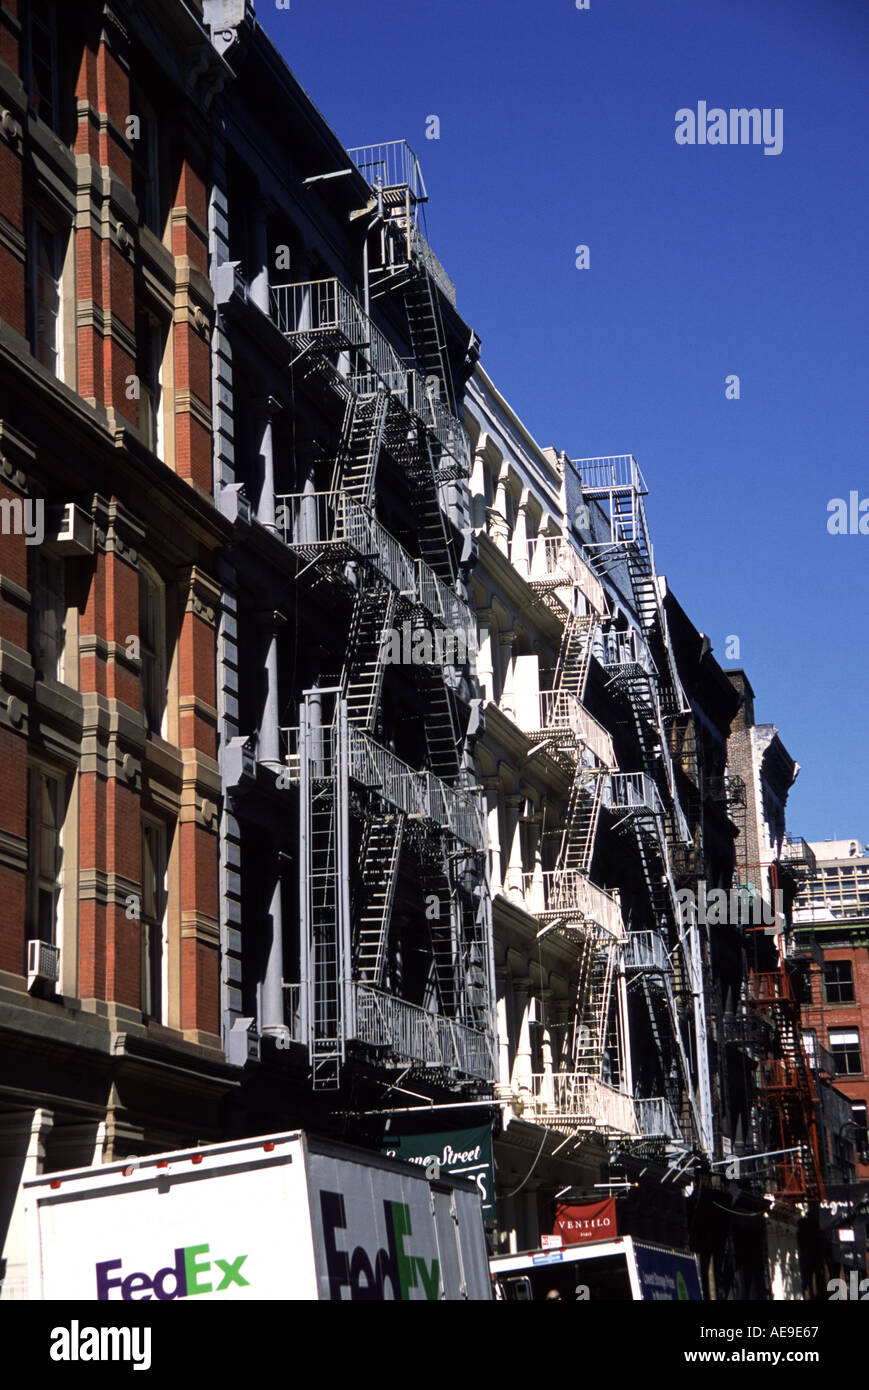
557,129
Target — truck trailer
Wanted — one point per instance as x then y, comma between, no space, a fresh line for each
617,1270
283,1216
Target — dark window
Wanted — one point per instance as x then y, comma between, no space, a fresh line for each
44,302
47,612
845,1047
40,70
149,370
154,867
46,805
147,168
152,648
839,982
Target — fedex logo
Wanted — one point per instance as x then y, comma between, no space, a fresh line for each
367,1278
189,1275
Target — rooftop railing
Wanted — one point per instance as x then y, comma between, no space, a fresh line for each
391,164
614,473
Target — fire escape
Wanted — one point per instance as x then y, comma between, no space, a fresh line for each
369,821
646,804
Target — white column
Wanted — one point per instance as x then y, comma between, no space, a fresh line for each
22,1156
259,248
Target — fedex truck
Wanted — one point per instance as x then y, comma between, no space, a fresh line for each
285,1216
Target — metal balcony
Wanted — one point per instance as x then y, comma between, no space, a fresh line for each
628,793
320,310
410,1035
572,1100
391,166
569,897
645,951
798,854
324,314
556,564
655,1118
558,716
616,473
420,795
334,525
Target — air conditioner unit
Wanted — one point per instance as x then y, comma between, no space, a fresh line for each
43,962
69,530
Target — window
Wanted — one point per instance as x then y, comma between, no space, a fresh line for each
40,71
861,1122
46,803
149,370
152,648
154,896
146,181
44,301
48,612
838,982
845,1047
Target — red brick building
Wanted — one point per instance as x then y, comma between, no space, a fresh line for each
109,785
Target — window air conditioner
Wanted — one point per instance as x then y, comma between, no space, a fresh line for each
43,962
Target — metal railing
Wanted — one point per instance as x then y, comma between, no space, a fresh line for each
582,1102
412,1034
307,520
317,308
796,850
568,893
554,558
560,711
615,473
293,1011
418,794
645,950
439,421
391,164
655,1118
632,791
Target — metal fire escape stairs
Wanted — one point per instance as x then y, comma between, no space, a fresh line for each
654,696
386,411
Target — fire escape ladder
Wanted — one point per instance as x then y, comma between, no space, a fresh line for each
440,724
436,885
427,336
421,474
361,443
362,680
580,821
324,879
380,858
574,656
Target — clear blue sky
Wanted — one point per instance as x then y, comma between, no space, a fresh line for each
557,128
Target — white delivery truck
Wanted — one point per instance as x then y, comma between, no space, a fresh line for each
285,1216
616,1270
